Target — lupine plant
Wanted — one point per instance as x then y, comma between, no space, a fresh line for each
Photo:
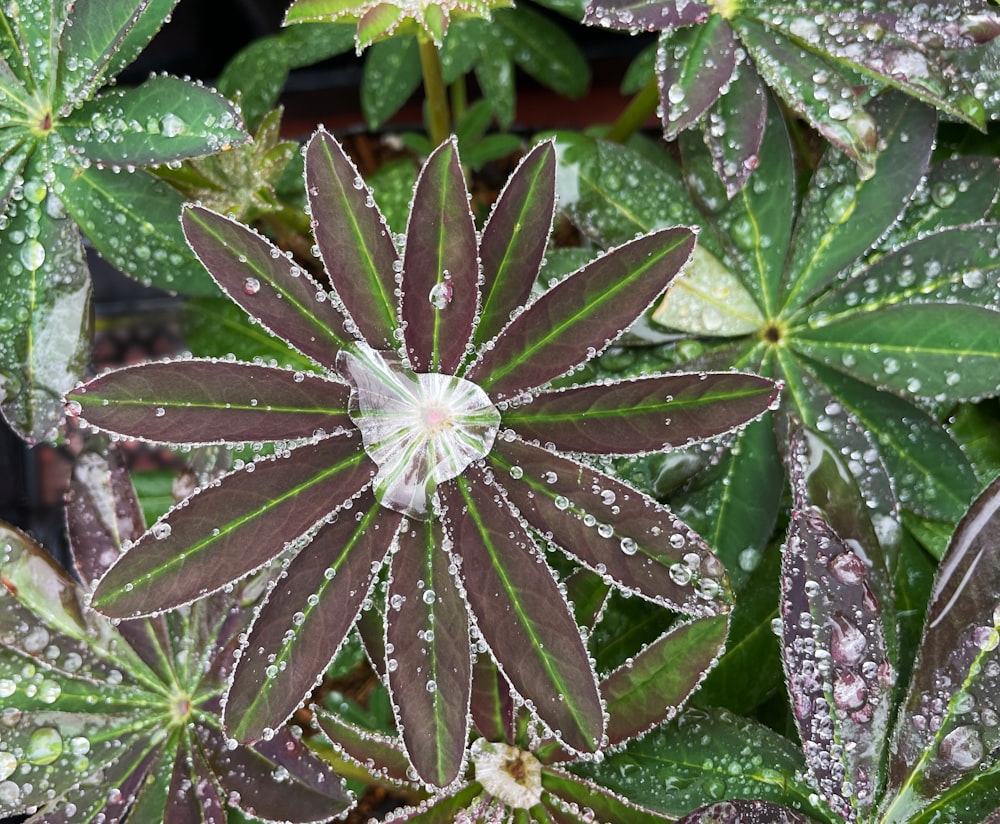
101,719
64,143
824,60
425,442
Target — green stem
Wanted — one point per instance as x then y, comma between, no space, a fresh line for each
438,116
459,99
636,113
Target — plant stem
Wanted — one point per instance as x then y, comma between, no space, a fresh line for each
438,116
636,113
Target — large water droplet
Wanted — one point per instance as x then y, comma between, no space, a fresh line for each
44,746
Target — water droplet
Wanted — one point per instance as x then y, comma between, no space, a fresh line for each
32,254
962,747
441,294
161,531
429,596
847,645
8,763
44,746
171,125
629,546
848,568
251,286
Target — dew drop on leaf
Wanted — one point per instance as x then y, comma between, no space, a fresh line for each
44,746
251,286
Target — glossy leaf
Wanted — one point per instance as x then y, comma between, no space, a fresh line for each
627,14
430,666
543,50
702,757
643,415
613,529
441,289
144,238
699,62
567,793
308,613
213,401
46,288
592,307
353,239
521,613
282,296
491,705
834,647
844,213
231,529
380,755
168,119
659,679
391,74
955,668
739,811
514,238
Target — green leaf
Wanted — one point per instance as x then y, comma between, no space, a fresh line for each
702,757
543,50
943,351
392,185
163,119
104,37
495,75
38,26
132,220
651,687
391,74
843,212
566,796
45,322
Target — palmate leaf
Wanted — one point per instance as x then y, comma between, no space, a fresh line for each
521,614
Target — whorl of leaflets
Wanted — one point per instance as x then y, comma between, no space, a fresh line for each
435,346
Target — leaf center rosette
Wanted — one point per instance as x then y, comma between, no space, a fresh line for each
420,429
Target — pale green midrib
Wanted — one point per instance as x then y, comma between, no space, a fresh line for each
762,267
438,699
720,304
226,407
898,348
232,526
523,620
385,304
557,330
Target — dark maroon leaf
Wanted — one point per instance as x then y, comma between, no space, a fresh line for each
445,809
430,665
354,240
613,529
514,238
698,64
946,728
582,315
520,611
740,811
233,527
634,15
306,617
209,401
102,513
277,780
492,707
838,675
266,284
192,795
380,755
440,267
642,415
736,145
650,687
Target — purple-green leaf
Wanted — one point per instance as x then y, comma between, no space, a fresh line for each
613,529
232,528
491,705
740,811
380,755
582,315
308,613
514,238
258,277
210,401
944,729
651,687
651,16
741,112
836,666
521,613
698,62
565,792
427,629
354,240
440,266
643,415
